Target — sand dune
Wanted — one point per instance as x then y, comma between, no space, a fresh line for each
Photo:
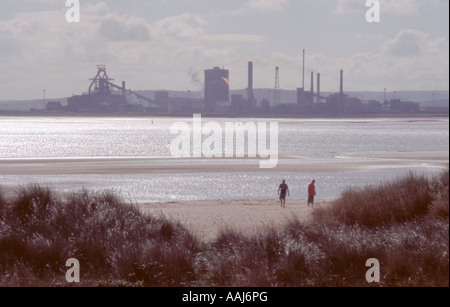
206,218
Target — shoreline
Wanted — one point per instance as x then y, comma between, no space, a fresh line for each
168,165
227,115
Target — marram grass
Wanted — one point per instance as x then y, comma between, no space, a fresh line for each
403,223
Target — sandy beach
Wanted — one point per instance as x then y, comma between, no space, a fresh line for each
167,165
207,218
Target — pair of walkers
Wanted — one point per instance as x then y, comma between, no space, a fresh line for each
283,189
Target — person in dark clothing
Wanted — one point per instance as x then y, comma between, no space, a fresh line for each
282,190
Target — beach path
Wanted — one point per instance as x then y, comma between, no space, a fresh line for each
206,218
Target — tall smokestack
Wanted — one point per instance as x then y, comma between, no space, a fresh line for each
303,82
312,83
342,83
318,88
250,77
250,95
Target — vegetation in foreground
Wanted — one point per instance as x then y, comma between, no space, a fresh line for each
404,224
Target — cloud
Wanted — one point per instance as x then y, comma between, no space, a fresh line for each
233,38
406,43
262,6
98,9
185,26
400,7
346,6
9,45
116,27
267,5
412,60
397,7
39,49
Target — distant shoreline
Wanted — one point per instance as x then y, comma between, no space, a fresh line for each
225,115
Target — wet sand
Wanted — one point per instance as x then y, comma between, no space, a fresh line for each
164,165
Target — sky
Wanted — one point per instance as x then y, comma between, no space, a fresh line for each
167,44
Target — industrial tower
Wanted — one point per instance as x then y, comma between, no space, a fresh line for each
102,98
277,99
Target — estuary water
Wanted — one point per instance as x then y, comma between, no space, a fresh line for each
337,153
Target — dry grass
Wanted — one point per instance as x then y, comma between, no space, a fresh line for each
111,239
404,224
398,201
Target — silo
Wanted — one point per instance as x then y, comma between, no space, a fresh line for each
217,88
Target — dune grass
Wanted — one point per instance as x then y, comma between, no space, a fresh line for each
372,206
403,223
112,239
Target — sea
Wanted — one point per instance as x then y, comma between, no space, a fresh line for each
385,149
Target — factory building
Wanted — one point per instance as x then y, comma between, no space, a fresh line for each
95,103
100,96
54,106
162,97
105,96
238,104
217,89
398,106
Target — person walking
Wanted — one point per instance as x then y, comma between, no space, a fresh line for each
282,190
311,193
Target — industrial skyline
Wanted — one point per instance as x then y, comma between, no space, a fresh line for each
168,44
105,96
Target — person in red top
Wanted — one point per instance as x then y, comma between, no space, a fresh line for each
311,193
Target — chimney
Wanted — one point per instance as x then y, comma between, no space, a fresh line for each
312,83
250,96
318,88
342,83
250,77
303,82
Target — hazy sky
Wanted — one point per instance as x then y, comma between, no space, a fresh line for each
167,44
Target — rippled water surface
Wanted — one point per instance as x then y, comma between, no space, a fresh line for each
104,137
85,137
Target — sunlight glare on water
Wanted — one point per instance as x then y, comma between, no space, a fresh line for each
79,137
